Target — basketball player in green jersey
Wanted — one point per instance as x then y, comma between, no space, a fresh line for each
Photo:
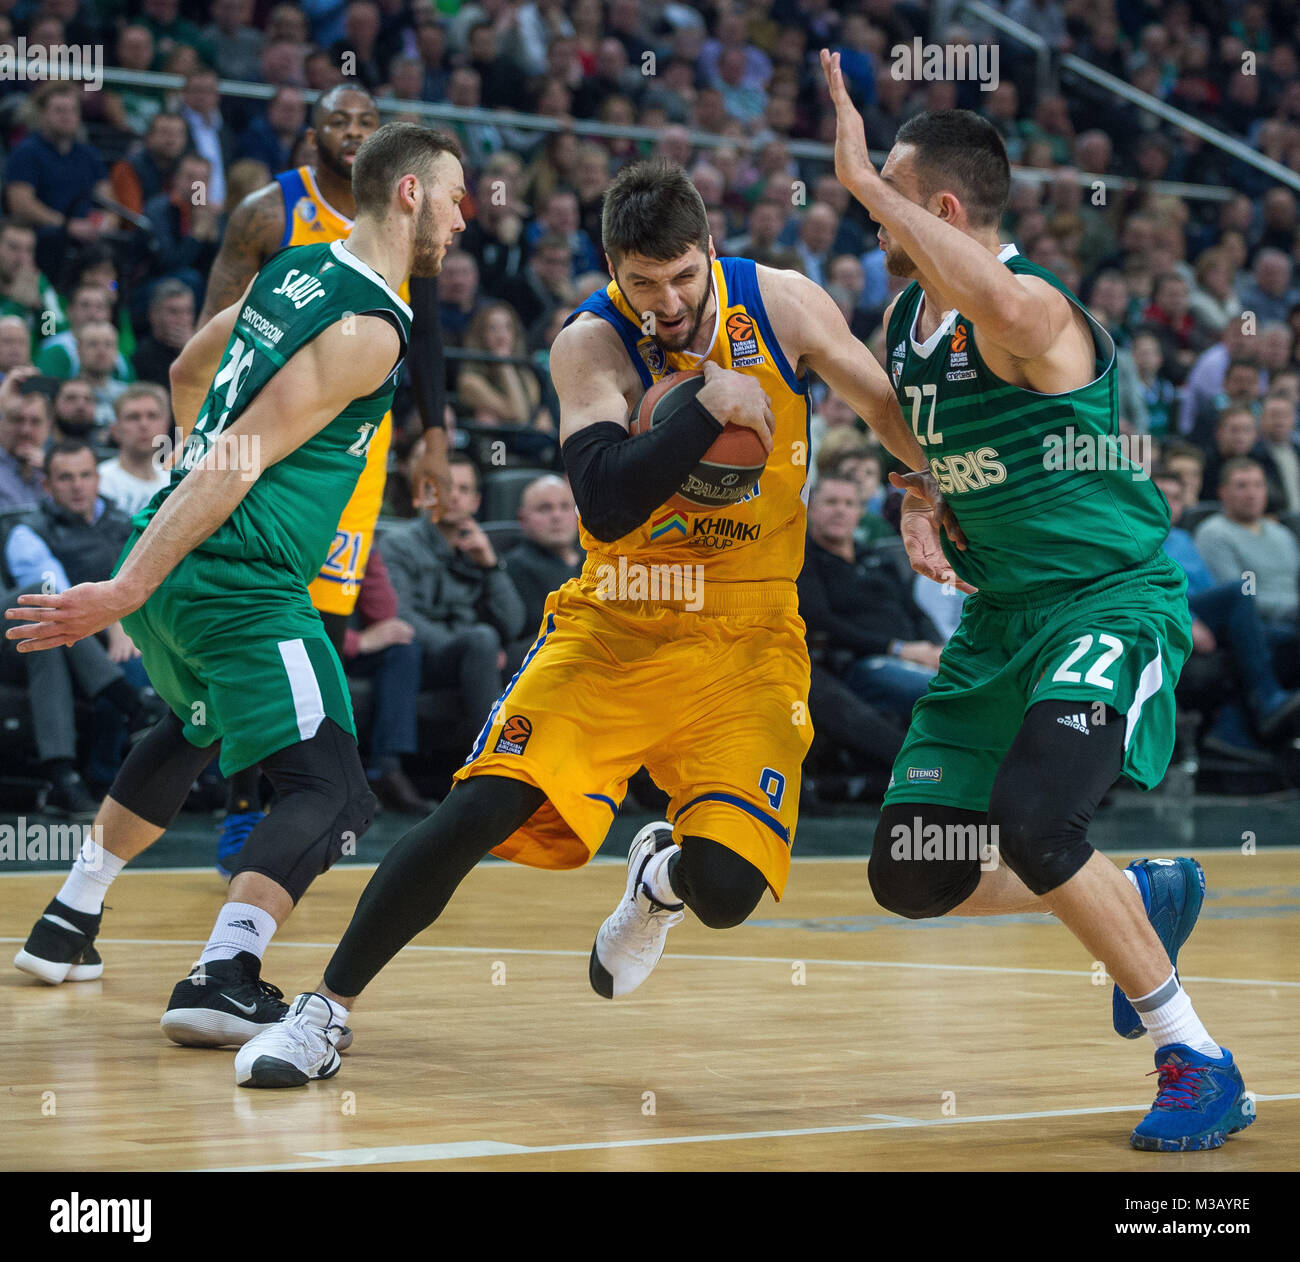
1060,677
279,395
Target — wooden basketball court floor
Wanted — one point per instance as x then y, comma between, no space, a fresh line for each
823,1034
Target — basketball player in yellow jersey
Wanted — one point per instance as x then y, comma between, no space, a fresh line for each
306,206
711,695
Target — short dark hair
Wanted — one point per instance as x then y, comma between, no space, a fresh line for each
834,475
395,150
1178,448
1234,409
460,458
66,447
1235,465
959,150
652,208
321,110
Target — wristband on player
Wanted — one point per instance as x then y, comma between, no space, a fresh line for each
618,480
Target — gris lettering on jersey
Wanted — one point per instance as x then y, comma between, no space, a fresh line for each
300,288
968,470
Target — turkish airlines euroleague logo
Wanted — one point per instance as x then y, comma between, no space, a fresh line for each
514,735
740,329
957,356
744,341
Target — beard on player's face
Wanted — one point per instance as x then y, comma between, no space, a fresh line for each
680,341
897,261
427,260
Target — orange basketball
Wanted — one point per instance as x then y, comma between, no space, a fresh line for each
728,470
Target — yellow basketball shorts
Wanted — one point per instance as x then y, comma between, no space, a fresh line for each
714,703
336,587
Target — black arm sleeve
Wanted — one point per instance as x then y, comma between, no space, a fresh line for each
428,371
618,481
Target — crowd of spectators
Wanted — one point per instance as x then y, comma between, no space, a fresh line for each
113,203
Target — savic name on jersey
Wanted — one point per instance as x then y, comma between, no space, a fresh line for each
1030,514
300,288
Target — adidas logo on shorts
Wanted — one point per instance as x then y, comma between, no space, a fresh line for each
1077,721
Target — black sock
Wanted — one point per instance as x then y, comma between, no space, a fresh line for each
421,872
124,697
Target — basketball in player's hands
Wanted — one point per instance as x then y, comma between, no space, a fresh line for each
727,471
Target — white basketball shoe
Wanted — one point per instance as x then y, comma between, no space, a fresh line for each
301,1046
631,941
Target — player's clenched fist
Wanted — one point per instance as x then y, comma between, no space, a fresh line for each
735,398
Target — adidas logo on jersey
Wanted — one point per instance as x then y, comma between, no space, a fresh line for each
1077,721
242,924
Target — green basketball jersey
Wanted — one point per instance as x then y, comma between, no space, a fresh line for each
289,516
1044,486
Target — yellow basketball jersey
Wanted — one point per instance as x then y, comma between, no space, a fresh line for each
760,538
309,219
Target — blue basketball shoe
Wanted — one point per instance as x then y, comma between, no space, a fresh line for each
1200,1102
234,832
1172,892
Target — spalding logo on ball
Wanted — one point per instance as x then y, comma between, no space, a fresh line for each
726,472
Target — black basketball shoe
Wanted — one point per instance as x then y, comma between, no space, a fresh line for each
61,946
224,1004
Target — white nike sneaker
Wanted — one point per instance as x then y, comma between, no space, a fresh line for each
631,941
300,1047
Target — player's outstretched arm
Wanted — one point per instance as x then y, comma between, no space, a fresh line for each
253,233
617,480
1023,315
342,364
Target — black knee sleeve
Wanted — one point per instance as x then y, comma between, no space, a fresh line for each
322,807
1048,788
159,772
925,858
719,886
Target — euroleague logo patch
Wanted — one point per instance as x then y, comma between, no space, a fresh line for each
514,735
744,342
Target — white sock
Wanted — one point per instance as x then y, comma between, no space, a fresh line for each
93,871
239,927
1132,879
655,877
1169,1017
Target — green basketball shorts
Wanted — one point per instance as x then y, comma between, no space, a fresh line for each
236,650
1118,642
